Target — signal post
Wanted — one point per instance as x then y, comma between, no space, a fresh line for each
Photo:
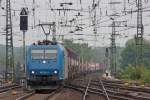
24,28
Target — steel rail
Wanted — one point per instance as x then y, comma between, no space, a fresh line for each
46,97
26,96
93,91
86,91
104,90
7,88
53,93
121,86
112,94
124,94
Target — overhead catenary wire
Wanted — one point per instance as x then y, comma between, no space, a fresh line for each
107,20
102,16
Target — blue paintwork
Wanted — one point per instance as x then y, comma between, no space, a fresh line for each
50,65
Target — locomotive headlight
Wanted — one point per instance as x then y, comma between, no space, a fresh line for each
32,72
44,62
55,72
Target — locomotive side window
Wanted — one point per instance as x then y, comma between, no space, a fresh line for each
37,53
51,54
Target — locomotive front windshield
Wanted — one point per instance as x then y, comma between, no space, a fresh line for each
51,54
44,54
37,53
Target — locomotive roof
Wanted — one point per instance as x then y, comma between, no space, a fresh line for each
51,43
45,42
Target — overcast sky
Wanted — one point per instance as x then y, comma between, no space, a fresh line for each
104,10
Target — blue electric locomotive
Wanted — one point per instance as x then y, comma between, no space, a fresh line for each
45,65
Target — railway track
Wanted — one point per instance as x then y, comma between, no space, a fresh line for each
12,94
88,91
119,91
110,91
9,87
104,90
39,96
123,87
120,85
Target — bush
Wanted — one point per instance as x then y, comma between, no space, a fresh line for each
145,76
139,73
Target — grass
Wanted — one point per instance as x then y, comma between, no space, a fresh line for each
139,74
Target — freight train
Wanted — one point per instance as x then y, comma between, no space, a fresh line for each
50,63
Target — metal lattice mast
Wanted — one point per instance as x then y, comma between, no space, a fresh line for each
9,41
94,20
107,58
113,49
54,31
139,36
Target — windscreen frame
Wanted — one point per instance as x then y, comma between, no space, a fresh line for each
44,53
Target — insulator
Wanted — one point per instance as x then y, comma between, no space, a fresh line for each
106,13
136,3
59,13
14,13
131,12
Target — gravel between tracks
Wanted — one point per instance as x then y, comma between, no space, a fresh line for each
70,94
67,94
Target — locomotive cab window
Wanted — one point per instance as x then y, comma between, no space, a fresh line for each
44,54
37,53
51,54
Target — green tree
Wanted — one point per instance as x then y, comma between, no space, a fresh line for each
128,55
82,49
88,53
